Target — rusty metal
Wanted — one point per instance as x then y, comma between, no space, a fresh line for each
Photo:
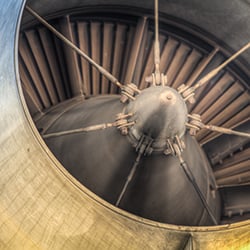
129,43
212,58
58,49
176,147
35,109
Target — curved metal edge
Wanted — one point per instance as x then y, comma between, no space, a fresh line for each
42,206
213,19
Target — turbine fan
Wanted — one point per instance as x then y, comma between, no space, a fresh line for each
129,93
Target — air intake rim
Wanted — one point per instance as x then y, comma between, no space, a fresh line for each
26,141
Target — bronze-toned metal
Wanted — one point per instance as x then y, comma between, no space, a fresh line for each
195,124
215,71
43,207
74,47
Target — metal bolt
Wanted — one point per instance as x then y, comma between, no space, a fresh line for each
169,96
124,131
123,99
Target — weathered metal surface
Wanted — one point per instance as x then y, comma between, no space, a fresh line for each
42,207
75,79
237,200
156,190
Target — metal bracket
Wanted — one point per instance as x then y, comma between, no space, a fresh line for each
175,147
195,124
187,93
157,78
144,145
129,91
122,123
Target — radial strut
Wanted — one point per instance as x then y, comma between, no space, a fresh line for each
191,178
129,178
103,71
211,74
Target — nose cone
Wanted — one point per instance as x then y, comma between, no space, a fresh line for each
160,113
103,159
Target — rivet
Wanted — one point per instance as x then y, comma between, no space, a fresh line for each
169,96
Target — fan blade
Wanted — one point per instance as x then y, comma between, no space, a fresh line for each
211,74
103,71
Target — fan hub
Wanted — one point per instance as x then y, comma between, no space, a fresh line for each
160,113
